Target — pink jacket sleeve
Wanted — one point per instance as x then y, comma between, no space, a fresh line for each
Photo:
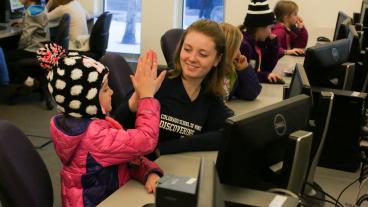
141,168
112,146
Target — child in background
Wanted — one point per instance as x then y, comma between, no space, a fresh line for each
290,29
242,81
35,32
98,155
259,45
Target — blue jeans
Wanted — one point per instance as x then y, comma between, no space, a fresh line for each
4,76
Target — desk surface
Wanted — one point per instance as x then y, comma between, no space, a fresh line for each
189,166
9,31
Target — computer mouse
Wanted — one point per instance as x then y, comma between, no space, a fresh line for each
149,205
279,81
323,39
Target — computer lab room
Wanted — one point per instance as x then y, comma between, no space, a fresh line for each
185,103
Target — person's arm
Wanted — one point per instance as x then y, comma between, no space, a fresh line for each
302,38
270,53
112,146
248,86
210,137
56,13
141,168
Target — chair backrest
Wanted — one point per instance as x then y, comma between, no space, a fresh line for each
62,34
119,77
24,179
169,41
99,37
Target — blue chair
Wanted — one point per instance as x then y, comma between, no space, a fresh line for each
169,41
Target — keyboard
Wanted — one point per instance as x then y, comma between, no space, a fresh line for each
2,27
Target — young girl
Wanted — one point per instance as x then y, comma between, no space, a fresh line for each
259,45
290,29
191,97
242,81
98,155
35,32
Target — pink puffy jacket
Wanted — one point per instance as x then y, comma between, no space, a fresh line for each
97,154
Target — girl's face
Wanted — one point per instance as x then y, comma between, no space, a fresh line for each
104,96
292,19
263,32
198,55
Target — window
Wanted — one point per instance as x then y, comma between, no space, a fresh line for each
125,29
202,9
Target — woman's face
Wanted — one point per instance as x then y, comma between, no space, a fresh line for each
198,55
263,32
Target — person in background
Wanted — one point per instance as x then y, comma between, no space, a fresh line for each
242,81
35,32
78,19
289,29
259,45
97,153
191,97
4,76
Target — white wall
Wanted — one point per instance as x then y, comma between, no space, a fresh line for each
160,15
92,6
157,18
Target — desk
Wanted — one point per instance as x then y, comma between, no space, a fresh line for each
287,64
9,31
270,94
127,195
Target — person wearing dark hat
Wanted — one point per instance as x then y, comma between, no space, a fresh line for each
97,153
259,45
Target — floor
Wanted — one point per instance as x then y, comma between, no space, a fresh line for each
31,116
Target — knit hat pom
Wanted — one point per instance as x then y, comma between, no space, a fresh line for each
49,55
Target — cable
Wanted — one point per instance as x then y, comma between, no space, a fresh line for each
337,200
38,136
316,187
324,200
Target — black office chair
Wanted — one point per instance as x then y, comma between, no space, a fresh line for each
99,37
169,41
24,179
119,77
61,38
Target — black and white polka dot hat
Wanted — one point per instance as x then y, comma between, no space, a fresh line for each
73,80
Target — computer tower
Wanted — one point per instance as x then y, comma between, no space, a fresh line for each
341,148
4,11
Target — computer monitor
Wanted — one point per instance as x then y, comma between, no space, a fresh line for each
364,13
344,20
254,141
355,44
15,5
323,65
299,82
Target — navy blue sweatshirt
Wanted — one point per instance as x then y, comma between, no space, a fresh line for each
185,125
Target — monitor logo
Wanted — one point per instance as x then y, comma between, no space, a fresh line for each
279,123
335,54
